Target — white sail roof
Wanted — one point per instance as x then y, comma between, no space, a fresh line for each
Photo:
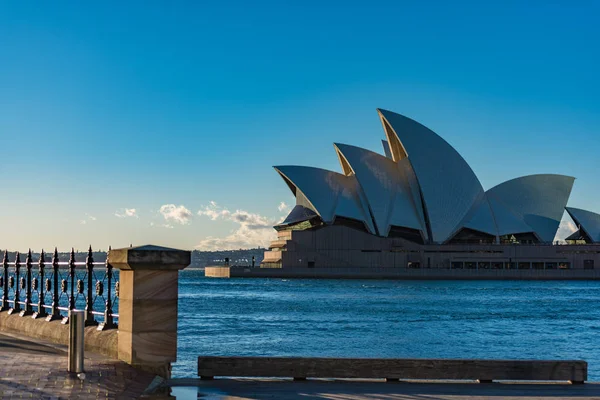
508,222
449,187
587,221
327,193
422,183
480,218
536,200
385,187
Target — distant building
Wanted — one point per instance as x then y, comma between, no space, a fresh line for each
420,205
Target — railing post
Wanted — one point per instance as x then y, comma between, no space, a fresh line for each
28,310
41,310
72,276
71,305
16,306
54,312
4,306
89,301
108,311
148,305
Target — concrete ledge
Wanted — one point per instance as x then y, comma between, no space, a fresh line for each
301,368
100,342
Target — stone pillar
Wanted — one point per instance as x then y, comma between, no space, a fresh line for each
148,295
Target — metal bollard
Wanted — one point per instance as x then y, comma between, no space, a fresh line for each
75,354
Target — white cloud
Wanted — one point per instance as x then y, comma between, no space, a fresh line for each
88,218
214,212
178,214
168,226
566,228
252,221
126,212
283,207
242,238
254,230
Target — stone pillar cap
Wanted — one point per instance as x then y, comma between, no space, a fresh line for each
149,257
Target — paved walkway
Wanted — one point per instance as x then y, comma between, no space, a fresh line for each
238,389
29,370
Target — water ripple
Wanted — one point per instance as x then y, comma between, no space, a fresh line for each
337,318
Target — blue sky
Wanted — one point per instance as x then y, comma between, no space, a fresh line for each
118,106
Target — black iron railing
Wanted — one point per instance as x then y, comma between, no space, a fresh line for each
48,290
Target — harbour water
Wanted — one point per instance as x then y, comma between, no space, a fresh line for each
369,318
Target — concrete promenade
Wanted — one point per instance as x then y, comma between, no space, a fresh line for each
32,370
321,389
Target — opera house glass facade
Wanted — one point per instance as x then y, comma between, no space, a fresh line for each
419,204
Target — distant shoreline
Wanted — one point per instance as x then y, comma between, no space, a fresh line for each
200,259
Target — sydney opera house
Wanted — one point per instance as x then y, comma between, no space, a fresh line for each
419,204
